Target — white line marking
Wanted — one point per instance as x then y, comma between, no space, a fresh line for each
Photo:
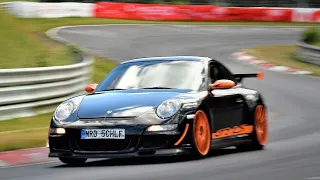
22,165
26,149
257,62
2,163
313,178
243,58
279,68
21,130
302,72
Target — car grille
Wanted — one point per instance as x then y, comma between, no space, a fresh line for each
103,145
157,141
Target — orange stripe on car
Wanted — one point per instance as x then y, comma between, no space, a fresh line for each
236,130
183,135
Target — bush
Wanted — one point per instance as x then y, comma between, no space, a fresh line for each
311,35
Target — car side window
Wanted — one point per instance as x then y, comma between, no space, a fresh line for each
227,74
218,71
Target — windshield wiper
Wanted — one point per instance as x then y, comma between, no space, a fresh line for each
157,88
114,89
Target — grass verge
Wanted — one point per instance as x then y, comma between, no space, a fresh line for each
25,48
3,1
32,131
282,55
317,44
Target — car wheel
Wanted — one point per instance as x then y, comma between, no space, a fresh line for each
73,161
259,137
201,134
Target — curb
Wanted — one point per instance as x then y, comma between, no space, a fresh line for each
245,58
24,156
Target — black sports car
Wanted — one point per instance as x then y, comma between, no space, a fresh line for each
160,106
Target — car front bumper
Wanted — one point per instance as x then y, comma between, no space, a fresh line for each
151,144
146,153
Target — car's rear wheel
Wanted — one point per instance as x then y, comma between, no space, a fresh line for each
201,134
259,136
73,161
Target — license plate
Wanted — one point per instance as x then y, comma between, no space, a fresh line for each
103,134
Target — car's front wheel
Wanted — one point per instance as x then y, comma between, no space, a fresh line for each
201,134
73,161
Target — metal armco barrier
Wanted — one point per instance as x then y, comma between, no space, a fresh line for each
50,10
308,53
4,6
27,76
27,91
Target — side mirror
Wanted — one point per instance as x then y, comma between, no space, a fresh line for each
91,87
222,84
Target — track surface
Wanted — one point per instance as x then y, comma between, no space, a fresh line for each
293,101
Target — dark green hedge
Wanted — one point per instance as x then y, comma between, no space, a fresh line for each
311,35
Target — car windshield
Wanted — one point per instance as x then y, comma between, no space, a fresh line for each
155,75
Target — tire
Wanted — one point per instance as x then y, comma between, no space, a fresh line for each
259,136
201,135
73,161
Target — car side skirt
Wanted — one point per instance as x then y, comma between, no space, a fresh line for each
230,141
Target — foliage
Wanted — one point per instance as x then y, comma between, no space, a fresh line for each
311,35
24,48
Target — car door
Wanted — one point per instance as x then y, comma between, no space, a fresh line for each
225,105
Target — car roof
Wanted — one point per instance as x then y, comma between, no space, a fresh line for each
169,58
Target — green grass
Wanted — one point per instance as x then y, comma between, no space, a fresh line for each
317,44
2,1
18,133
23,48
282,55
23,139
32,131
24,132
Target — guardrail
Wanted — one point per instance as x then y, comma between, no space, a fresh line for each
308,53
27,76
4,6
30,91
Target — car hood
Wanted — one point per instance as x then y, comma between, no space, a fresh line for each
129,103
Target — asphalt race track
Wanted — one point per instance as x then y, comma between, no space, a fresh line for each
293,101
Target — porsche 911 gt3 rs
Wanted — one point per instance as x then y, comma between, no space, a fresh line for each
160,106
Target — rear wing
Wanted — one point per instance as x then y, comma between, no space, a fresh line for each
258,75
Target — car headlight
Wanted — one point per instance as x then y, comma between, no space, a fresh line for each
65,109
168,108
165,127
